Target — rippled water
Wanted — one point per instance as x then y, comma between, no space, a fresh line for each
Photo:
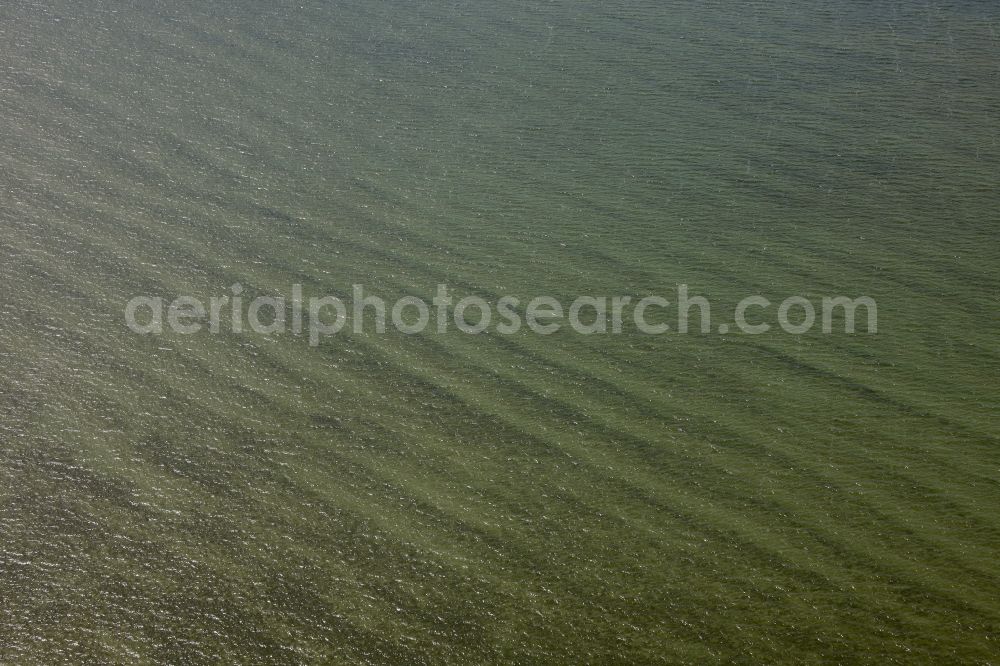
489,499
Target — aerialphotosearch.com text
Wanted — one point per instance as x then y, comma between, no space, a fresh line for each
318,317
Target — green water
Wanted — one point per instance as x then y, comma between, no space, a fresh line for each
393,499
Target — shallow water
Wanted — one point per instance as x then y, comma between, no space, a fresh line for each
499,499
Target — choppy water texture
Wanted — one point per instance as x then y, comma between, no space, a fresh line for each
489,499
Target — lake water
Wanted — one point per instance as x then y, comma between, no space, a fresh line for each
385,498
